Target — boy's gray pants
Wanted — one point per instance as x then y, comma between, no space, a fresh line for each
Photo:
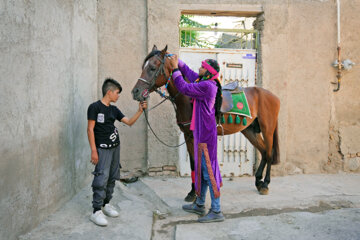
107,170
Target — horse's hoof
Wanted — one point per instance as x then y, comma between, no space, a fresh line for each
264,191
259,185
190,197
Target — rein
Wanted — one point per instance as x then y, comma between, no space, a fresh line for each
147,121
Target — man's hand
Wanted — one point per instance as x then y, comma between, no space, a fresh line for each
174,61
94,157
142,106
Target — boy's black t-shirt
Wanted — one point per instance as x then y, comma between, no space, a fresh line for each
106,134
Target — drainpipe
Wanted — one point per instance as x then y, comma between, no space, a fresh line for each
338,22
337,62
346,64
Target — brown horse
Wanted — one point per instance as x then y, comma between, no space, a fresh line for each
261,130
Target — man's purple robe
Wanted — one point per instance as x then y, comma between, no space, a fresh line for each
205,133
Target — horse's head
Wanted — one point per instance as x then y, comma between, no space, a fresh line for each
154,71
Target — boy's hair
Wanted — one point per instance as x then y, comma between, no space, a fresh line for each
110,84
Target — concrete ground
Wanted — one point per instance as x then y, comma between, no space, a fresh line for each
297,207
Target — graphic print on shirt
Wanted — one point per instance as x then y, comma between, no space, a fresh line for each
114,135
100,118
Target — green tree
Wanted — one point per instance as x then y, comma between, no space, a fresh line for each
189,38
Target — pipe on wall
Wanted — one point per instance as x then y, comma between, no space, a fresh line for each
337,62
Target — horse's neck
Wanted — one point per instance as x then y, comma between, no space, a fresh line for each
183,104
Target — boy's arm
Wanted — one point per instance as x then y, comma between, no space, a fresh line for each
91,136
131,121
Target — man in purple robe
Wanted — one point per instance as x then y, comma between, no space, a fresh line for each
205,90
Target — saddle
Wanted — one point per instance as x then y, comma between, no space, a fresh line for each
227,99
233,87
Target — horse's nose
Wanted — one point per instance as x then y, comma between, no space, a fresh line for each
135,92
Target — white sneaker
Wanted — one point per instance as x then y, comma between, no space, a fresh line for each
110,211
99,218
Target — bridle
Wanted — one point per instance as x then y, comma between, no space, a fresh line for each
160,71
151,84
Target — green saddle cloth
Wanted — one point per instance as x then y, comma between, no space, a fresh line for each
240,105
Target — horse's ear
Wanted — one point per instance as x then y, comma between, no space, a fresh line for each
154,48
163,52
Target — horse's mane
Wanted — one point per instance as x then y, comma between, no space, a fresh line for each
153,53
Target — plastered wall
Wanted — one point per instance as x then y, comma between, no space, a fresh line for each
122,47
48,75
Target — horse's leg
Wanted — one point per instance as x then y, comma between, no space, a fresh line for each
191,196
259,173
257,141
264,190
267,129
274,159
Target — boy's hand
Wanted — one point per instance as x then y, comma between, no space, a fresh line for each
94,157
142,106
174,61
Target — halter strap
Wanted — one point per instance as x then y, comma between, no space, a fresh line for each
144,80
160,70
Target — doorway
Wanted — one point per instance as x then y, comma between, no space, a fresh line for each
235,49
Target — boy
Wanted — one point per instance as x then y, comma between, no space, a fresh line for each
105,148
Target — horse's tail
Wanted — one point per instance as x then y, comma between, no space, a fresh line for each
275,151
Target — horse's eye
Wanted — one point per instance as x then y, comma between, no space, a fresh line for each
152,68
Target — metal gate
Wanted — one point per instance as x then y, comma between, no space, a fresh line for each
236,155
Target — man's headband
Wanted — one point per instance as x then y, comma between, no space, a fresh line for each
208,67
